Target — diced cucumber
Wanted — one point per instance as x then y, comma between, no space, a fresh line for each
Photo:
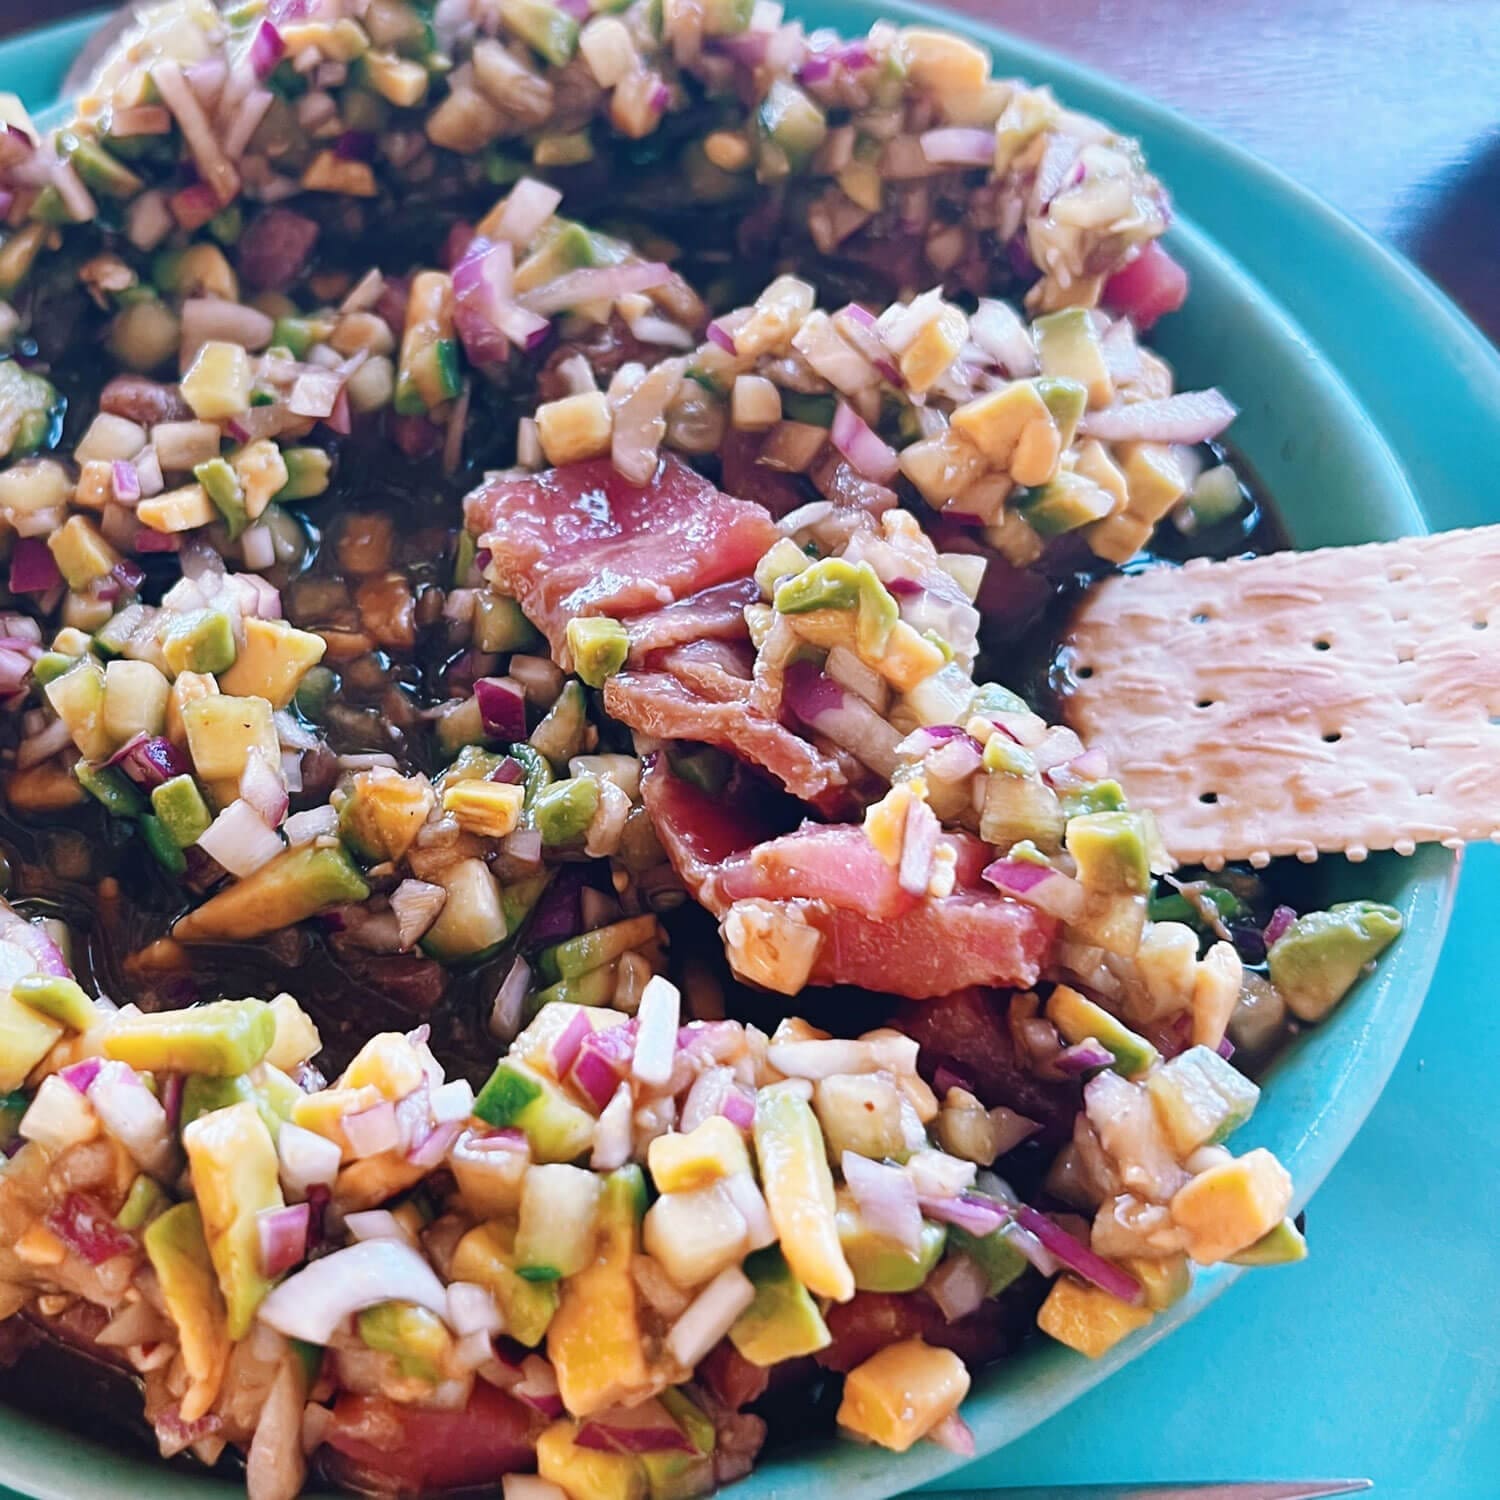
545,28
1200,1098
593,989
559,1131
592,950
307,474
560,734
120,797
471,925
1078,1019
499,624
222,485
790,119
164,848
135,700
555,1233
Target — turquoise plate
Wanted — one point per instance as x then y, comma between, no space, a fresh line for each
1355,403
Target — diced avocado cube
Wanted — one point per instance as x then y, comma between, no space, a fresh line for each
1164,1282
592,990
1200,1098
832,583
599,646
200,641
880,1264
219,1039
790,119
120,797
995,1254
27,401
1067,501
298,335
471,925
1068,348
545,28
77,697
567,246
273,1094
1317,960
178,1250
696,1424
308,471
223,729
61,1000
275,658
592,950
222,486
783,1322
135,700
183,812
1111,850
559,1131
1087,1318
26,1037
50,665
293,886
562,811
417,1338
560,735
1078,1019
1282,1246
726,17
486,1256
144,1202
100,171
1066,401
500,626
235,1178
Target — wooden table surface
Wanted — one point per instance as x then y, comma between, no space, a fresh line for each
1388,108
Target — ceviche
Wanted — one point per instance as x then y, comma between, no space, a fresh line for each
551,940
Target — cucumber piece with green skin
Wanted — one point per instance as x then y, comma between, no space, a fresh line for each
144,1202
881,1265
813,411
500,626
593,950
100,171
1200,1098
110,638
559,1131
790,119
593,989
471,925
416,1337
222,486
120,797
307,472
518,899
994,1253
538,776
568,247
1078,1019
61,1000
465,553
164,848
51,665
298,335
555,1231
560,734
783,1322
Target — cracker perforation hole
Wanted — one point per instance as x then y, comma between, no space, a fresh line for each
1333,737
1322,645
1209,799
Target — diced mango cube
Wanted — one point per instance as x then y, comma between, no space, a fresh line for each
1094,463
1086,1318
885,822
222,730
943,63
1119,537
261,471
387,1062
185,509
942,467
909,658
188,688
218,383
1229,1207
1154,479
81,553
297,1039
994,422
575,428
680,1163
900,1394
587,1473
490,809
1165,1281
323,1113
936,346
275,658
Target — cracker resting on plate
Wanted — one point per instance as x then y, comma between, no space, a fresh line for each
1346,699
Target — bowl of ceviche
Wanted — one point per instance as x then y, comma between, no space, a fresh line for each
553,936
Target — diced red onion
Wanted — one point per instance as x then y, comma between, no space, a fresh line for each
133,1115
33,569
261,785
1011,1129
502,707
656,1034
431,1151
958,1286
523,845
844,717
416,904
266,50
976,1216
1281,919
643,1428
316,822
239,839
865,449
371,1131
529,206
887,1200
594,284
307,1160
710,1316
565,1049
954,1434
318,1299
88,1231
1083,1057
283,1237
959,146
1078,1258
537,1387
1188,417
481,294
510,998
80,1075
614,1132
743,1191
472,1309
1041,886
598,1072
738,1108
718,334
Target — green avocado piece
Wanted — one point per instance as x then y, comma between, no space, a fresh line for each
235,1178
1280,1246
221,1039
144,1202
1065,401
180,806
1098,796
559,1131
1316,961
545,28
307,471
499,624
178,1252
593,989
599,646
1066,502
1078,1018
471,925
1111,851
593,950
114,791
486,1255
518,899
833,583
789,118
783,1322
696,1425
269,1089
880,1265
59,999
1200,1098
290,888
222,485
559,736
568,247
677,1476
995,1254
562,811
416,1337
100,171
